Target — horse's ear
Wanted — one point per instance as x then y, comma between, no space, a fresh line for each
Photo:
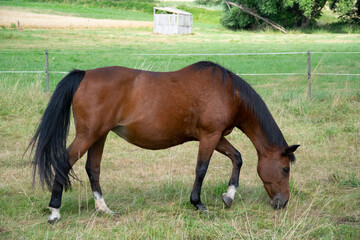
290,150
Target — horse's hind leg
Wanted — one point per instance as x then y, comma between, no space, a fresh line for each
93,170
228,150
77,148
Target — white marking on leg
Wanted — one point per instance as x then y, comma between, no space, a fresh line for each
100,204
231,192
55,215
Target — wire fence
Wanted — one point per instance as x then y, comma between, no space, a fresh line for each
309,73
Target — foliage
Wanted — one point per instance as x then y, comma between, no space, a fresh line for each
288,13
349,10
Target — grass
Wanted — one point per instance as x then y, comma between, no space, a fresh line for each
91,9
150,189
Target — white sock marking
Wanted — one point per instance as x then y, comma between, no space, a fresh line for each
100,204
231,192
55,214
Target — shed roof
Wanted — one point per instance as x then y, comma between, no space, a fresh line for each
172,10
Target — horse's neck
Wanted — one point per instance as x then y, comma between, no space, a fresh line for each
253,131
266,139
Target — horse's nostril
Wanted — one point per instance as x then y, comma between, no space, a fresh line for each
277,203
285,203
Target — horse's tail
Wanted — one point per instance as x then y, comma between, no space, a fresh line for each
49,141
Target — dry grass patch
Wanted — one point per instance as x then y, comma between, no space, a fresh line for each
49,21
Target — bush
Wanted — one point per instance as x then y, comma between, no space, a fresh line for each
349,11
235,19
290,13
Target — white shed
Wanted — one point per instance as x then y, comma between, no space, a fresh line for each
169,20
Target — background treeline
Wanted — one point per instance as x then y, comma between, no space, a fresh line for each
288,13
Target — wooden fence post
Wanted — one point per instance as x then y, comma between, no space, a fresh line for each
309,75
47,70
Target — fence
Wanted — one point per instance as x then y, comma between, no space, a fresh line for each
309,72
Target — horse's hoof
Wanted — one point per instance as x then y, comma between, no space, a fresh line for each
53,220
227,200
111,213
106,211
201,207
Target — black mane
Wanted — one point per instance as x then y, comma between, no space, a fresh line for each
252,100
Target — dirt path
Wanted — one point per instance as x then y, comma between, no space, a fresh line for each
48,21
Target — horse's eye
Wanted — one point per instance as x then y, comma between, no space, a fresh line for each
286,170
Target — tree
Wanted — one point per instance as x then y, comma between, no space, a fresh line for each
288,13
349,10
310,10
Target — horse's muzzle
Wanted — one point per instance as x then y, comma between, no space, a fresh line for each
277,203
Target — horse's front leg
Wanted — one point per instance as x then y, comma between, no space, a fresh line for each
228,150
207,146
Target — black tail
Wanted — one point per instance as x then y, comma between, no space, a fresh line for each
50,156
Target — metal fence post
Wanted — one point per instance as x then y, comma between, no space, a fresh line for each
309,75
47,70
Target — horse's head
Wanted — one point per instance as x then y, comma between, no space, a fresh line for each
274,171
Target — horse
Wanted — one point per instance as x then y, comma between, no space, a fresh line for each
156,110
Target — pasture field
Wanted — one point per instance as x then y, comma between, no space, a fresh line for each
150,190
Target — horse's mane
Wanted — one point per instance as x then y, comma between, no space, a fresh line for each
252,100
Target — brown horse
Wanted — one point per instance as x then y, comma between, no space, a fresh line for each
157,110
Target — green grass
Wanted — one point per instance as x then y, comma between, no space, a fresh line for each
125,10
133,10
150,189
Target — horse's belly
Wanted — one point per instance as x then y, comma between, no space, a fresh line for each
151,139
